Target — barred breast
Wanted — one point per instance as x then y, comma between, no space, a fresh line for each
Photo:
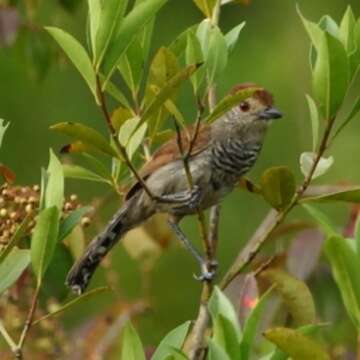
231,160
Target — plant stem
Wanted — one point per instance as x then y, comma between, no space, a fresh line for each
274,219
7,337
120,148
28,323
194,346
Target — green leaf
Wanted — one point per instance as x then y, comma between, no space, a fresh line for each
357,236
344,265
321,218
206,6
176,355
94,21
168,91
295,344
305,330
217,56
12,267
251,326
229,101
216,352
219,304
178,45
226,336
77,54
174,339
203,34
43,185
315,120
68,224
132,348
79,299
193,55
136,140
79,172
331,71
331,75
114,91
111,15
347,30
130,26
127,129
351,194
54,193
232,36
278,186
44,240
306,163
131,66
53,285
21,232
3,129
295,294
85,134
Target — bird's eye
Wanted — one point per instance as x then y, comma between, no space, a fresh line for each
244,106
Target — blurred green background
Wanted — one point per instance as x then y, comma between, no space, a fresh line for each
272,51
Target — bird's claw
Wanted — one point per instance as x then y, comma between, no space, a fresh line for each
208,271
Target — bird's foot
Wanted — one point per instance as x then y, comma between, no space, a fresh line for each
208,271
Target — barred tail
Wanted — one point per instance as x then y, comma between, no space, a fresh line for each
82,271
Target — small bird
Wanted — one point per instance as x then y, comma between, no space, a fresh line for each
222,153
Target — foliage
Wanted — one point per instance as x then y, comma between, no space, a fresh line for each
145,87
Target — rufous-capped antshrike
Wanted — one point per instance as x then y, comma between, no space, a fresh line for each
221,154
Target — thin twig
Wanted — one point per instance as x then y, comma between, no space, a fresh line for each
7,337
28,323
121,149
274,219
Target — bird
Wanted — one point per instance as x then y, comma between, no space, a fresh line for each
222,152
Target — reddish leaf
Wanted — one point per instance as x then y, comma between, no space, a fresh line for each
8,175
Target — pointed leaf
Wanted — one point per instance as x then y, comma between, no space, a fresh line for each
307,160
219,304
8,175
69,223
315,120
347,30
79,299
130,26
174,338
216,352
251,326
321,218
217,56
94,21
344,265
352,195
194,55
226,336
127,129
44,239
132,348
85,134
3,129
111,14
77,54
79,172
136,140
168,90
295,294
54,194
232,36
295,344
12,267
278,186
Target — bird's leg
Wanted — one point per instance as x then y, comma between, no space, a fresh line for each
187,198
207,270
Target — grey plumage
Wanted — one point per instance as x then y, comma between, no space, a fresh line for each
229,149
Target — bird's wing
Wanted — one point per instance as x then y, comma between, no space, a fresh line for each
170,151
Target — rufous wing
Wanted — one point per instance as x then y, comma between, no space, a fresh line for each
170,151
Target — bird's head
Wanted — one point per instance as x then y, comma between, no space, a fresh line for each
257,111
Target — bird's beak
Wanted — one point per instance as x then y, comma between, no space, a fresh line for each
271,113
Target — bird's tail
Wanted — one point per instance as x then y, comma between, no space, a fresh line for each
123,221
